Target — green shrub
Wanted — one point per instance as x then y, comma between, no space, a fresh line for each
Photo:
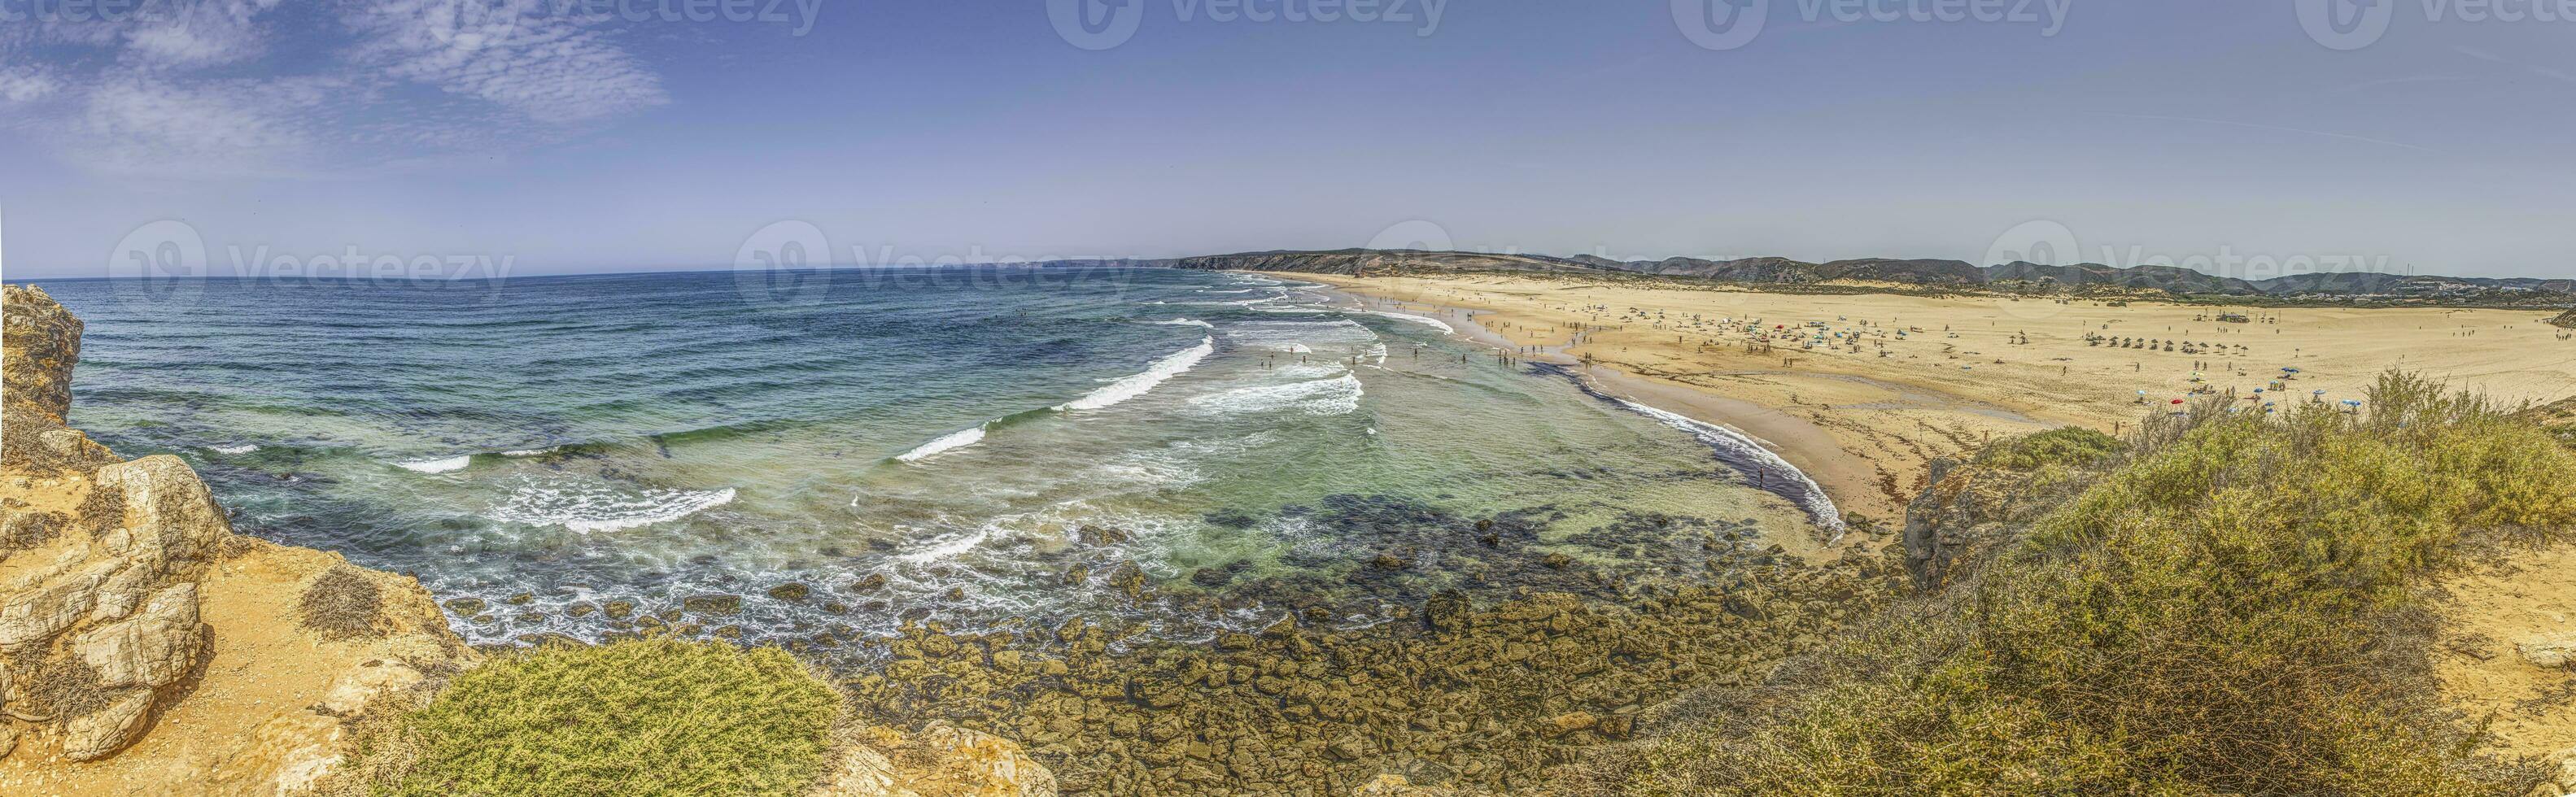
656,716
2072,446
2228,610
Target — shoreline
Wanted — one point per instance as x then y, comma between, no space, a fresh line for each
1864,392
1846,480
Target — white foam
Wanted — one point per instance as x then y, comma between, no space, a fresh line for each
1186,322
1443,326
594,507
244,448
1136,384
1336,396
529,452
950,548
457,462
945,443
1813,497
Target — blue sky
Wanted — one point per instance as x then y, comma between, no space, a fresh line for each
554,136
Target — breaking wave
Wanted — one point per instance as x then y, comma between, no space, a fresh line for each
587,508
1336,396
945,443
453,463
1136,384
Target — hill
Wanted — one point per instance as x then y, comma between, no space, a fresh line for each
1931,273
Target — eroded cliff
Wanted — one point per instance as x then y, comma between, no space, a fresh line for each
145,648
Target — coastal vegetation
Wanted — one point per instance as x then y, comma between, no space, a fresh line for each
649,716
2232,603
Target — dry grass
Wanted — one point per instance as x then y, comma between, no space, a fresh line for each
2228,608
342,604
58,687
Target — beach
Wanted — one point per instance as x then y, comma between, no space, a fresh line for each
1864,391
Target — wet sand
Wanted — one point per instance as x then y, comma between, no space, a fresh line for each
1900,380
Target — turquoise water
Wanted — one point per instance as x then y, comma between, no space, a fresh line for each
920,444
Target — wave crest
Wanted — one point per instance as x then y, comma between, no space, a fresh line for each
1135,385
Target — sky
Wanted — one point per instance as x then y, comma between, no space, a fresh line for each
525,137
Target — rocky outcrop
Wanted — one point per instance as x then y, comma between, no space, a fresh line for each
122,585
941,760
145,648
1963,512
2566,319
1974,506
1455,698
98,590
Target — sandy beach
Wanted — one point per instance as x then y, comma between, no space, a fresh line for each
1864,391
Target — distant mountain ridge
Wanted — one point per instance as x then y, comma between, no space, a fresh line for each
1919,271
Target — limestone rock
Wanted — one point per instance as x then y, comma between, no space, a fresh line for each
96,734
2551,651
860,771
941,760
353,690
37,350
170,512
1398,786
153,647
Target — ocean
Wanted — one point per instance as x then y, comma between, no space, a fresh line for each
1184,452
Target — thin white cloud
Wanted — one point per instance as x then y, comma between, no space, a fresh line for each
556,68
225,128
198,34
27,84
219,88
